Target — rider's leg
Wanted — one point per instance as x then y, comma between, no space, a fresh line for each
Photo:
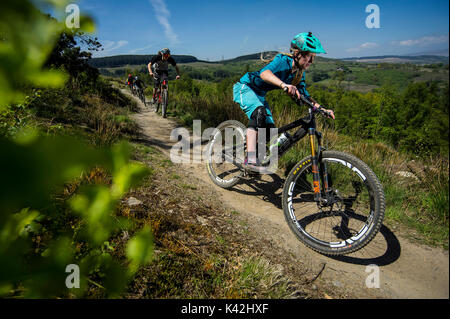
156,86
258,120
257,111
164,76
252,136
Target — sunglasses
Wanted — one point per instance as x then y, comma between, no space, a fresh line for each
309,57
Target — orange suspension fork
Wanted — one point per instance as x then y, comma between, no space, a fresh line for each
319,170
315,166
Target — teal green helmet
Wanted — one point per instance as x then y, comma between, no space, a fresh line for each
307,42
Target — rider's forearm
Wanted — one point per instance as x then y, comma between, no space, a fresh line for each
177,69
271,78
149,66
314,102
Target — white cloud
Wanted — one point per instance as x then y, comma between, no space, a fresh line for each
162,14
113,45
134,51
424,41
109,47
364,46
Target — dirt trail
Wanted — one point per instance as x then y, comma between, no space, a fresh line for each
406,270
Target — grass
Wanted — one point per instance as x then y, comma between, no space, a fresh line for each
258,275
194,260
187,186
191,260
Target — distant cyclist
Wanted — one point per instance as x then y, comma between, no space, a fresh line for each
138,83
159,68
130,81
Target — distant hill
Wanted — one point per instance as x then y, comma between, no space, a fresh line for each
123,60
126,60
416,59
248,57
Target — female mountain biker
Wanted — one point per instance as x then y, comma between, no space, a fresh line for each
159,68
285,71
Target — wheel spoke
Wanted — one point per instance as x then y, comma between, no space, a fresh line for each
223,161
341,223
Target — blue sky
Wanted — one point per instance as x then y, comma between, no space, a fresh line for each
212,30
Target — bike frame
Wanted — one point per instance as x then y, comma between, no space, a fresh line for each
162,86
140,93
308,127
131,87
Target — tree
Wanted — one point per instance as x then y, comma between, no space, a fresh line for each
68,54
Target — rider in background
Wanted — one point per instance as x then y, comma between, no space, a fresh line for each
130,81
138,83
285,71
159,68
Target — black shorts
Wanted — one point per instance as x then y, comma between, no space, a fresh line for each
160,76
260,122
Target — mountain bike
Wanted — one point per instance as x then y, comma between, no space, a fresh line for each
162,95
332,201
131,88
141,95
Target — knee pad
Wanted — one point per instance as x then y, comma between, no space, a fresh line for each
261,115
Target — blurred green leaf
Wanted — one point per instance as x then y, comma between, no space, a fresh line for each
47,277
87,24
127,177
37,166
125,174
14,226
140,249
27,37
5,289
95,204
34,168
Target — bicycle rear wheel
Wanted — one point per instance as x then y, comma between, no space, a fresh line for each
142,96
164,98
353,215
225,153
158,102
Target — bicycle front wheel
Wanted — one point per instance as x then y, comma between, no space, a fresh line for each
142,96
225,152
354,212
158,103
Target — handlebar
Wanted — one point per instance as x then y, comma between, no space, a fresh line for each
304,100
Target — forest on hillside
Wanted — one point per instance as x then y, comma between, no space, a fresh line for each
406,106
124,60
